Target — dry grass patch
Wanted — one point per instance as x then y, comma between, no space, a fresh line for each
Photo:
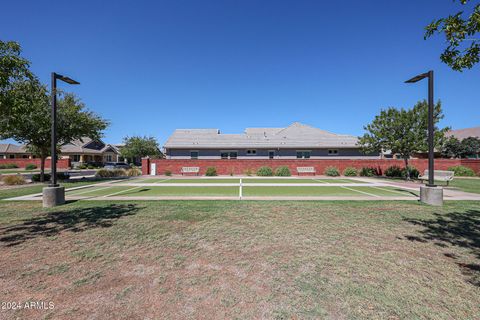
207,259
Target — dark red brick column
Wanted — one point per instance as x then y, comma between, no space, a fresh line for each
145,166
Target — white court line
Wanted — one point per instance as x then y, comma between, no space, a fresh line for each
144,180
320,181
407,194
370,194
240,191
91,190
115,193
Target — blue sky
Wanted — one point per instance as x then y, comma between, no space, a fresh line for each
153,66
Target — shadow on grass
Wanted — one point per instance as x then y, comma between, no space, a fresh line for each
459,229
74,220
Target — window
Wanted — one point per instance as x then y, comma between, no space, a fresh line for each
24,156
332,152
228,154
303,154
251,152
193,154
12,156
76,158
108,158
2,156
271,154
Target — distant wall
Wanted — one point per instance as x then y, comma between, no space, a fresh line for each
21,163
239,166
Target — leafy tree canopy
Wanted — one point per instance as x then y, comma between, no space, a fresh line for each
26,111
137,147
454,148
461,32
402,131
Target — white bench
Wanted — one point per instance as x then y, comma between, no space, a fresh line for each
438,175
195,170
306,170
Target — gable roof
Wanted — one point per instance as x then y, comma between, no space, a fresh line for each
84,145
11,148
465,133
297,135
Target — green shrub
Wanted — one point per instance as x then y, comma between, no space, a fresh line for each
36,177
168,173
60,176
90,166
14,180
82,166
332,171
394,172
8,166
283,172
134,172
30,166
350,172
462,171
265,172
368,172
414,173
211,172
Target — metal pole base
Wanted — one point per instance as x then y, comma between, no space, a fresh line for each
431,195
53,196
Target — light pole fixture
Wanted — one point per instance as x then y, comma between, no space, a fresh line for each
431,133
433,195
54,194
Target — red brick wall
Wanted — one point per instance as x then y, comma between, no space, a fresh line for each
21,163
471,163
225,167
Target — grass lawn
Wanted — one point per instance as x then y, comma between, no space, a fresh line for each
5,171
231,259
467,185
199,180
180,191
323,191
37,188
281,180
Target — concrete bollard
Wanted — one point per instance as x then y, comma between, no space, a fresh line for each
53,196
431,195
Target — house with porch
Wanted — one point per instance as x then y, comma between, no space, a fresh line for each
297,141
81,151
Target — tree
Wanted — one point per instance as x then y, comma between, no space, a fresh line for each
138,147
470,147
402,131
452,148
459,31
13,69
25,108
28,120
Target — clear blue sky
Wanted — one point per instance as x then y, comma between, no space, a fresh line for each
153,66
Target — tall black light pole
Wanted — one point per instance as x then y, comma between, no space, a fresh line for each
55,76
54,195
431,132
430,194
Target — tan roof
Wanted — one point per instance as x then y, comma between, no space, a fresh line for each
465,133
297,135
75,147
11,148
